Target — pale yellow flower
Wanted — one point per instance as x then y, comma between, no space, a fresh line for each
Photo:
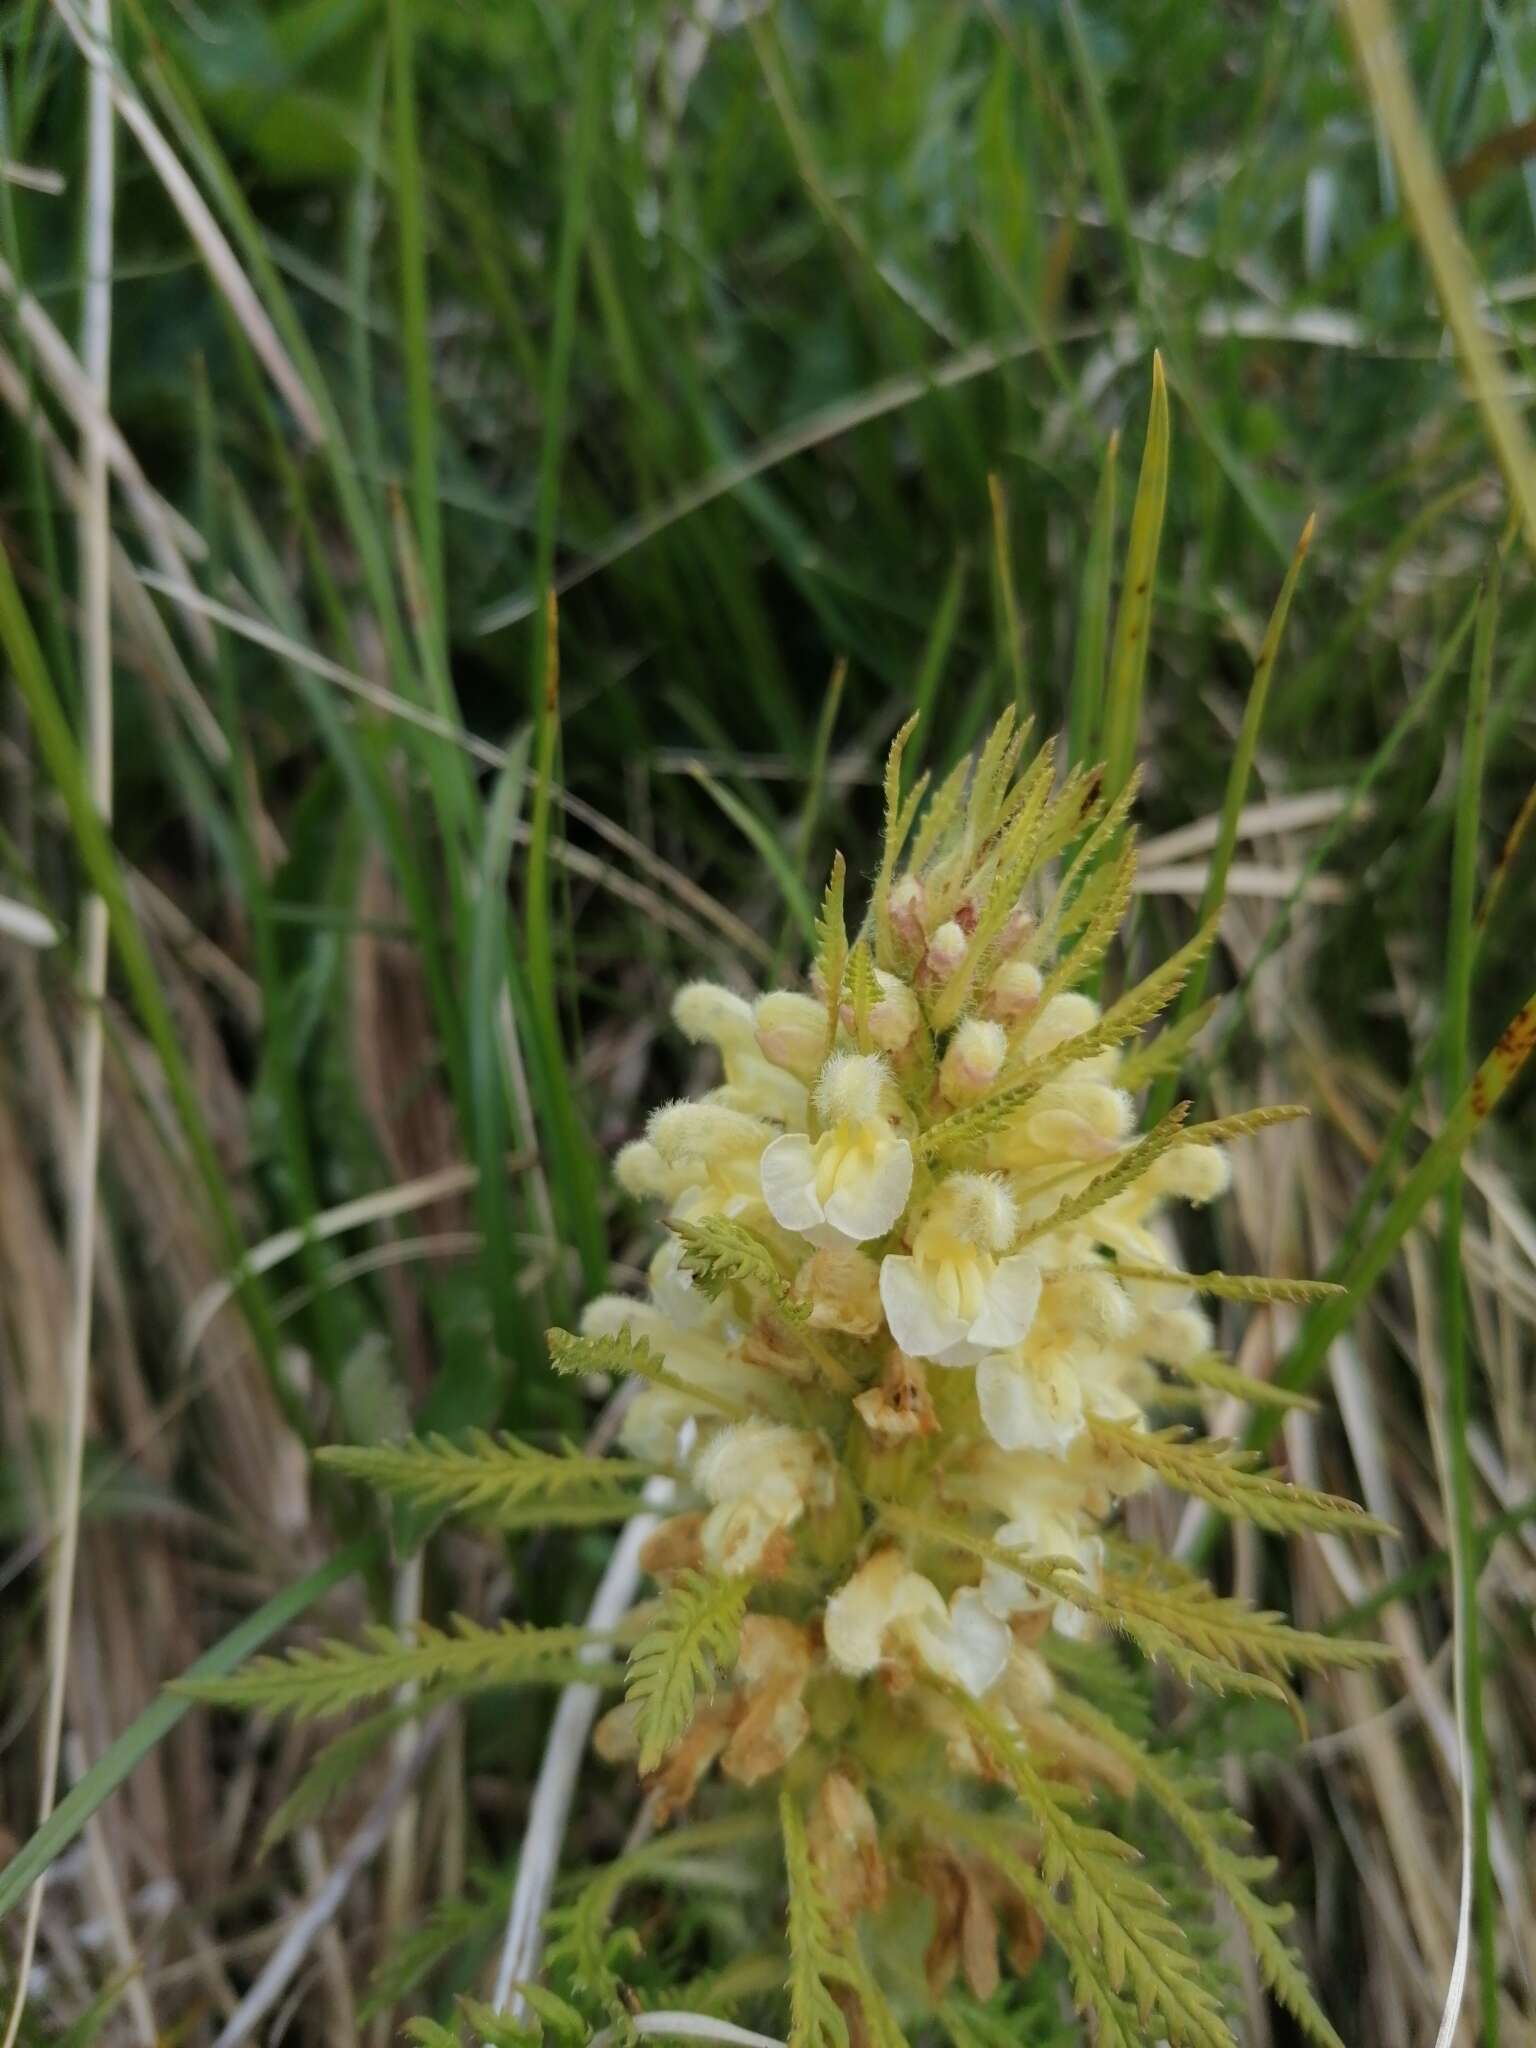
954,1299
1031,1398
852,1182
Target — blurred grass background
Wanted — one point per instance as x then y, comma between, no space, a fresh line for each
804,354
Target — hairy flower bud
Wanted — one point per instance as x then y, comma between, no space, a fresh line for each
792,1032
973,1059
946,949
1013,991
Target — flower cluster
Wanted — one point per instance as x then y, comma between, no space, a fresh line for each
902,1337
897,1357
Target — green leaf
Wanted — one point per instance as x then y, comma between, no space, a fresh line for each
496,1480
1133,621
336,1675
623,1352
1143,1950
677,1661
815,1952
1214,1837
1225,1476
721,1253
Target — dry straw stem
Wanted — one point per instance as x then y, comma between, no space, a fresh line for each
321,1908
549,1809
96,612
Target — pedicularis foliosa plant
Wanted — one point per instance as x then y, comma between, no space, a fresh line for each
905,1339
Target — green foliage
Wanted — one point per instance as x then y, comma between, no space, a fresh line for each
624,1352
1220,1840
899,815
676,1663
336,1766
469,1919
1245,1124
1229,1478
1252,1287
1154,1592
495,1480
832,943
584,1947
1165,1053
1118,1919
1129,1168
721,1253
338,1675
815,1950
1219,1376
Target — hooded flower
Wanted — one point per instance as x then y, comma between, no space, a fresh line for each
852,1182
955,1299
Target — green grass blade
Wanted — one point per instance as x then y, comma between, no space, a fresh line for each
1133,621
764,842
1445,251
1008,594
1193,991
409,185
98,857
1093,606
941,639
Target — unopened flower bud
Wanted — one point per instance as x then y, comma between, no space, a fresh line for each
1014,990
909,912
708,1013
792,1031
851,1088
1062,1018
685,1131
973,1060
640,1170
894,1021
1174,1336
1199,1173
946,949
1017,927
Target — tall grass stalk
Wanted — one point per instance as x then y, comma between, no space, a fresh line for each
96,669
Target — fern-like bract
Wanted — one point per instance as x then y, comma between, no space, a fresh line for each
676,1662
721,1252
815,1958
1117,1912
496,1480
337,1674
1218,1838
1228,1478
